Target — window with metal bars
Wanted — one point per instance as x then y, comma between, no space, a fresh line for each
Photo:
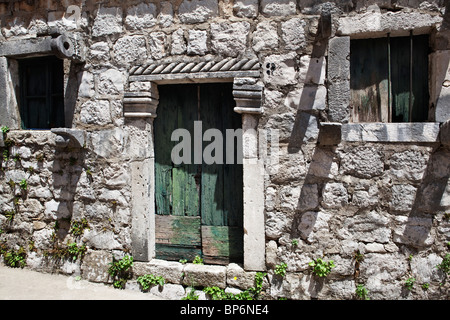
41,93
389,79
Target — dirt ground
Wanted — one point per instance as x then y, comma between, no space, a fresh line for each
24,284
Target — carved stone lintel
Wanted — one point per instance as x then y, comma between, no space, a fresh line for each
66,137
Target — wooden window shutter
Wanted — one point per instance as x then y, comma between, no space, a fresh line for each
389,79
42,93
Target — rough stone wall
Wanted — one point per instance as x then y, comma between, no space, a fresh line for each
386,201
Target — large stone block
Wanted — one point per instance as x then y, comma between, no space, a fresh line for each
293,34
141,16
339,79
95,112
265,37
246,8
362,162
273,8
204,275
95,266
229,39
196,11
280,69
197,42
130,49
108,21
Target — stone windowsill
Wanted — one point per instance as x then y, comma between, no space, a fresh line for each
427,132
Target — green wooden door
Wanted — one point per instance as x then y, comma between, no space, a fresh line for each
198,205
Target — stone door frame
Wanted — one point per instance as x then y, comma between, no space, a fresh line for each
140,108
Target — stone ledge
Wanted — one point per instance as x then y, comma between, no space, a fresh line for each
391,132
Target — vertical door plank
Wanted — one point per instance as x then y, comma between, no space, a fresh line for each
369,79
420,77
212,174
164,125
400,78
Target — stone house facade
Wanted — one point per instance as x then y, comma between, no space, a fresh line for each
322,177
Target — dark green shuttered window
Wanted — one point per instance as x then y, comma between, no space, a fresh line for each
41,92
199,207
389,79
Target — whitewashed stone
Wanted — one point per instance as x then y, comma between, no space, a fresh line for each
424,268
375,22
229,39
141,16
130,49
204,275
278,7
293,34
110,82
363,162
87,88
99,51
15,27
402,197
314,225
367,227
310,97
246,8
414,231
42,239
276,224
334,195
104,239
95,266
168,291
410,164
280,69
178,42
165,17
265,37
365,198
108,21
157,43
95,112
196,11
107,143
56,210
312,70
197,42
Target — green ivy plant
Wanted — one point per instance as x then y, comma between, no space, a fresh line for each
191,295
321,268
148,280
119,270
77,227
197,260
280,269
15,259
361,292
444,266
409,283
253,293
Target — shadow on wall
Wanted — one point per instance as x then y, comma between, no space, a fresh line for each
431,198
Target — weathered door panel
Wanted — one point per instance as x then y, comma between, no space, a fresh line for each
209,194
